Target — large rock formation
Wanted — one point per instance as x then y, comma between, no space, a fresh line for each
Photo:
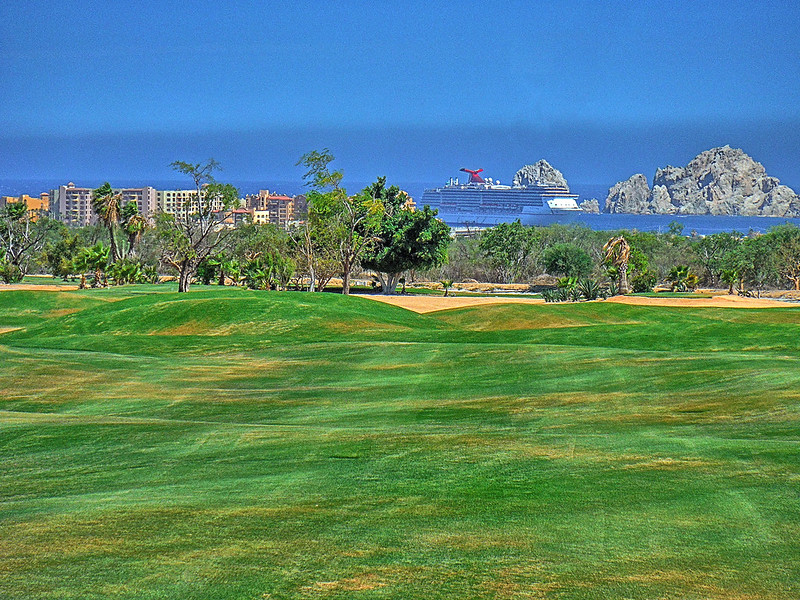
631,196
590,206
542,172
720,181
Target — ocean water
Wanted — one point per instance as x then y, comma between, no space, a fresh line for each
699,224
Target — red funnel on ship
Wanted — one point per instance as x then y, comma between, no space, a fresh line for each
473,175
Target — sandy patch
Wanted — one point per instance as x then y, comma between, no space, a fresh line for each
38,287
424,304
714,302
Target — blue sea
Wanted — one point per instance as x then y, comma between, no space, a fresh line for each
699,224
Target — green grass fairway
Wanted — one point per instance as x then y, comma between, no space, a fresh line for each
228,444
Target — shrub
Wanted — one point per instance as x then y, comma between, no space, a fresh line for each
589,289
567,259
550,295
644,282
9,272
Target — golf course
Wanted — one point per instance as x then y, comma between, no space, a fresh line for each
235,444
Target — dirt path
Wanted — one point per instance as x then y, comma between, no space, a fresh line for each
424,304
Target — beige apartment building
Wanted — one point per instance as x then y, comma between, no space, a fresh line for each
146,199
276,209
73,204
183,203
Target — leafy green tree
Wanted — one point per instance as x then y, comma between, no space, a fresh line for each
348,223
757,262
405,239
508,246
729,277
59,252
714,253
22,238
186,240
787,240
567,259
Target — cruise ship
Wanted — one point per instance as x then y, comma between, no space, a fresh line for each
483,202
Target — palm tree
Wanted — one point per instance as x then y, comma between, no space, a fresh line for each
618,253
682,279
94,258
133,224
446,284
106,204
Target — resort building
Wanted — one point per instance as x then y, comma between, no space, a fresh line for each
37,205
276,209
183,203
146,199
73,205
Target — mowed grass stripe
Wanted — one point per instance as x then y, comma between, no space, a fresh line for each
577,451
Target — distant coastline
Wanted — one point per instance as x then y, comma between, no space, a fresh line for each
701,224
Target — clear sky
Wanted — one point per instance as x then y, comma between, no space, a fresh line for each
411,90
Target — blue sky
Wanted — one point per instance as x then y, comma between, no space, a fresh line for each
412,90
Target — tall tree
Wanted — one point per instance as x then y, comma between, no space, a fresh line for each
107,204
21,237
713,252
787,239
190,237
508,246
134,225
348,223
406,238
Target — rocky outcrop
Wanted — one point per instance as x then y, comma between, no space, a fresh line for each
542,172
720,181
629,196
590,206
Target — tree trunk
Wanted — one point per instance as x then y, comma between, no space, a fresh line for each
184,277
390,283
346,276
114,254
796,281
312,279
221,276
623,278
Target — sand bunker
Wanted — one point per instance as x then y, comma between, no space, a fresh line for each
38,287
715,301
424,304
